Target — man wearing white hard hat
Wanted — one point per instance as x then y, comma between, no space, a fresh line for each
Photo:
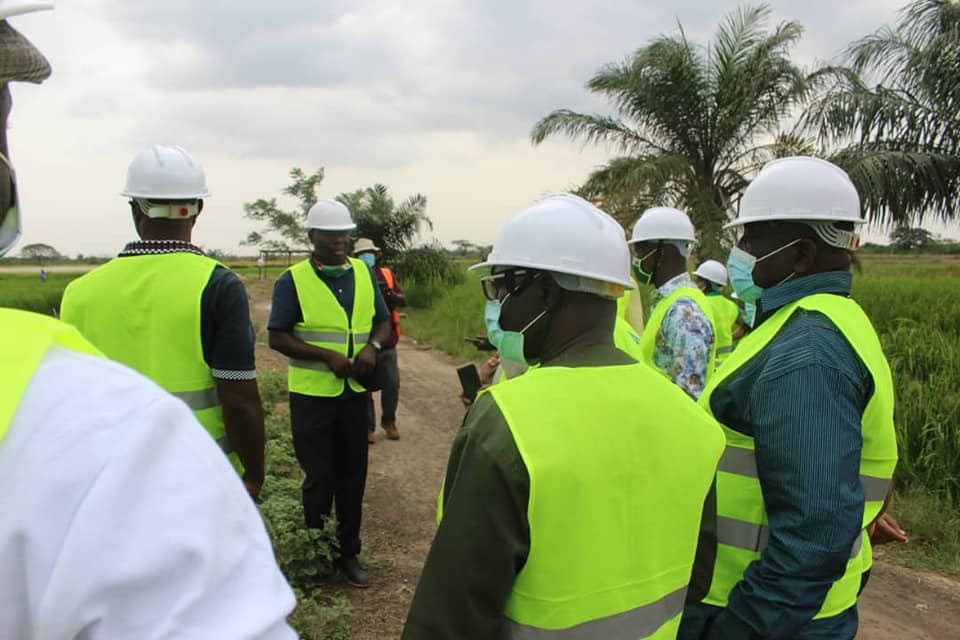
565,510
806,403
678,338
711,278
121,517
180,318
370,254
329,318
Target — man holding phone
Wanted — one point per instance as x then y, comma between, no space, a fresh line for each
564,506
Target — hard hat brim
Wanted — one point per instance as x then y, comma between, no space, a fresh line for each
484,268
638,240
786,217
334,227
153,196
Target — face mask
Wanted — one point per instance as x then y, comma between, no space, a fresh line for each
740,266
749,314
641,276
368,259
335,271
508,343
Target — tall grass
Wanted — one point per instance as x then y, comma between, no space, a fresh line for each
443,315
26,291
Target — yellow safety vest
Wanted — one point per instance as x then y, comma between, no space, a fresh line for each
602,469
144,311
326,325
648,341
725,314
25,340
742,530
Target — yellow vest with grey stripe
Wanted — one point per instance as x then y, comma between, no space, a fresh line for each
326,325
25,340
648,341
596,567
725,314
144,311
742,531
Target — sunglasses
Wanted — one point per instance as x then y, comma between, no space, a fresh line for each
507,283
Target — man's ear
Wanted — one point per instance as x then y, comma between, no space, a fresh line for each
806,256
552,293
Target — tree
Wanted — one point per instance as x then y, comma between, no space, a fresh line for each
392,227
909,238
290,226
40,252
693,122
900,139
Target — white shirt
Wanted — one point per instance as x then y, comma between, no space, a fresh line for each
121,519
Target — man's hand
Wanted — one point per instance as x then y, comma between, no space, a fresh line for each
339,364
488,369
253,486
884,530
365,361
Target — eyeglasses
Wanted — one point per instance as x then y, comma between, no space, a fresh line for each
507,283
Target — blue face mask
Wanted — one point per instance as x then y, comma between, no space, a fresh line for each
368,259
749,314
508,343
740,266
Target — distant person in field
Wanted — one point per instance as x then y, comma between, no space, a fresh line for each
371,255
329,318
43,275
121,518
178,317
574,492
261,267
806,403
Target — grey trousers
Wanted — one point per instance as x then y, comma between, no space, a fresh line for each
390,394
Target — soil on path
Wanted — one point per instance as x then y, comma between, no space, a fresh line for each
400,502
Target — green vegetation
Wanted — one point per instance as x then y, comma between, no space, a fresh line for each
26,291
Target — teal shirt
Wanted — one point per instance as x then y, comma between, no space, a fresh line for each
801,398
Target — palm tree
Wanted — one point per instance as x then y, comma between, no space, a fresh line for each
693,122
899,139
392,227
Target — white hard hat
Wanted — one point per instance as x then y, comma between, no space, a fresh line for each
17,7
713,271
330,215
364,244
165,172
799,189
564,234
663,223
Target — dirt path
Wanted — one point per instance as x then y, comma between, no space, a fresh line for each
402,485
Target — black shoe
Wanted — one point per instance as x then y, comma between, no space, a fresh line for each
351,569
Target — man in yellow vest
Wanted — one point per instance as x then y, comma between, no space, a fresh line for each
370,254
806,403
329,318
678,338
711,278
565,512
121,517
178,317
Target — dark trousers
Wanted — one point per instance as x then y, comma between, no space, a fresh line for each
389,371
330,441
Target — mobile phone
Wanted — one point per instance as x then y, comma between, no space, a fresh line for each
481,343
469,381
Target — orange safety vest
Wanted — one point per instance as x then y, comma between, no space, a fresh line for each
394,315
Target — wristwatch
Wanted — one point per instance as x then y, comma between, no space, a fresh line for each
376,345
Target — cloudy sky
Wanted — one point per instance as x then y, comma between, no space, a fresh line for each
427,96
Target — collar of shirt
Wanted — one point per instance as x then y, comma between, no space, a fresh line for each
838,282
158,247
674,283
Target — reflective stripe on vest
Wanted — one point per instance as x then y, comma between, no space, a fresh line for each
742,528
144,311
584,577
25,340
639,623
648,341
326,325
